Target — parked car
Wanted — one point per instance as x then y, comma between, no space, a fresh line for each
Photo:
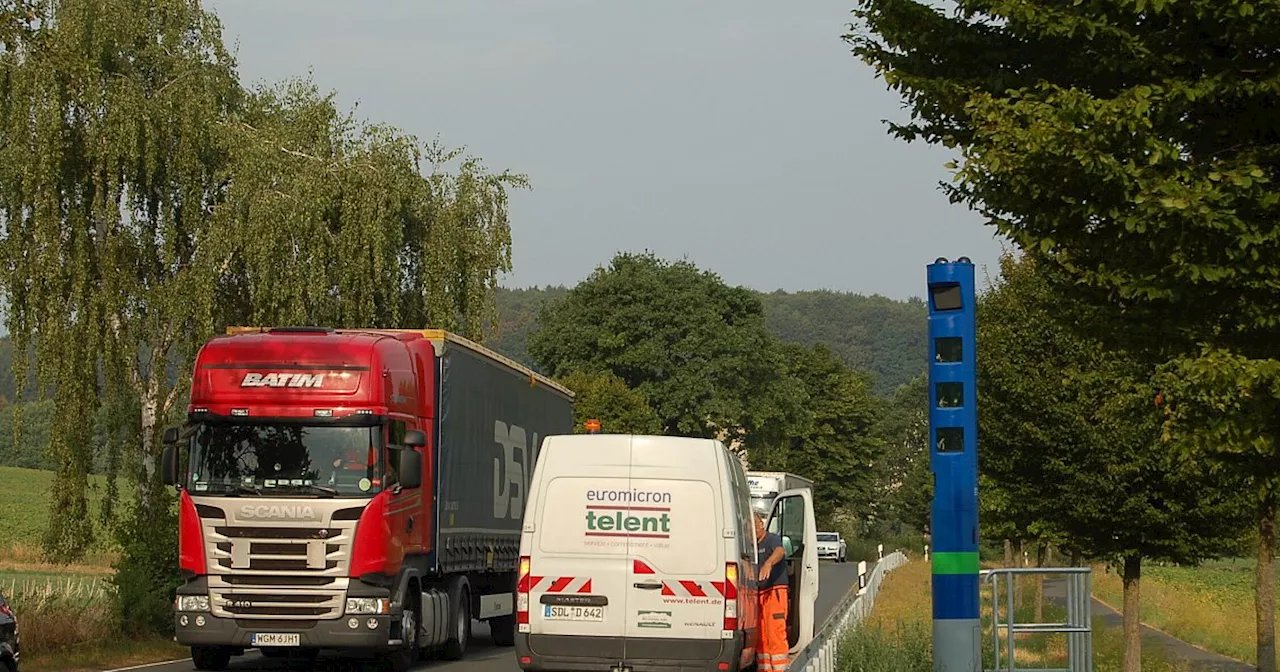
832,547
8,637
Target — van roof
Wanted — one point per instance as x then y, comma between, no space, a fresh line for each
624,441
678,452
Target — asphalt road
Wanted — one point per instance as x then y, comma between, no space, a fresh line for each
834,583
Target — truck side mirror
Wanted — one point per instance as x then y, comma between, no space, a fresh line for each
410,466
170,436
169,460
415,438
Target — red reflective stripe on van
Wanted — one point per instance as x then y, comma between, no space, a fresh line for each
560,584
694,589
638,567
666,590
719,585
586,587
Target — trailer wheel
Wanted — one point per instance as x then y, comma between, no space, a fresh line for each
460,632
210,657
503,630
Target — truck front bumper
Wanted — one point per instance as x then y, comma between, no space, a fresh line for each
205,629
350,631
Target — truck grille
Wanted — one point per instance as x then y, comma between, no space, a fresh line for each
281,572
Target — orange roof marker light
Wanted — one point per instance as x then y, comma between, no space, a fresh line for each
593,426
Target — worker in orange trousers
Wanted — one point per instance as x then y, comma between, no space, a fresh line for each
773,654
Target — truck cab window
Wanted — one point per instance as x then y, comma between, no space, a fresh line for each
285,459
395,446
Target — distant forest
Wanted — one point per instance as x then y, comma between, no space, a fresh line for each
882,336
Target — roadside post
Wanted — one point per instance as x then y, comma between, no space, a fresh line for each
953,430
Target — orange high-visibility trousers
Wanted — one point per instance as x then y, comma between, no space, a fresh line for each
774,652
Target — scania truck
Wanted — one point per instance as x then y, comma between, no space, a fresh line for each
765,486
358,490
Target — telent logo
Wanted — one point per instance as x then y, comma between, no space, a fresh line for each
654,524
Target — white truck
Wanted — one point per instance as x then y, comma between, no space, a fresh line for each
765,486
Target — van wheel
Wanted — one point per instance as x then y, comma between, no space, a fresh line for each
503,630
210,657
460,634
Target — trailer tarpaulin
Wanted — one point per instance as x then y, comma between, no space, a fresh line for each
491,420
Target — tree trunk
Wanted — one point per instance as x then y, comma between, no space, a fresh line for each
1266,581
1041,551
1076,559
1018,562
1132,614
1008,553
150,405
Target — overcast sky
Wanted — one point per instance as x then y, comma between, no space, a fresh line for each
741,134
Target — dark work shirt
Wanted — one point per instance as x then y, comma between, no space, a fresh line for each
765,548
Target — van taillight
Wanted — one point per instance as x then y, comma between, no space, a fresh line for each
522,595
730,597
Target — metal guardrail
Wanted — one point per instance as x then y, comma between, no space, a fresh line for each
1078,626
821,653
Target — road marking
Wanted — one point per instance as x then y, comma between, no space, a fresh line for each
143,667
158,664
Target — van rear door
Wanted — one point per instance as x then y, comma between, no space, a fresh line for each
677,570
579,564
792,518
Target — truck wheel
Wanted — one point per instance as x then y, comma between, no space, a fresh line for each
456,646
405,658
210,657
503,630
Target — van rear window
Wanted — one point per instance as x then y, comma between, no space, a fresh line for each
671,523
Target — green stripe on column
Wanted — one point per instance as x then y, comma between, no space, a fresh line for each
955,563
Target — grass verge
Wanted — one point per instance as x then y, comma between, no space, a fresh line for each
1211,606
99,656
897,636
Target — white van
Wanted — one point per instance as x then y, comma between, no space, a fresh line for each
638,553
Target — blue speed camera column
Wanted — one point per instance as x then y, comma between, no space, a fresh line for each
953,427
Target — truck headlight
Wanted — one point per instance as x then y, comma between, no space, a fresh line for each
368,605
193,603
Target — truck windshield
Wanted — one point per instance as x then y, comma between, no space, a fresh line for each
763,503
285,459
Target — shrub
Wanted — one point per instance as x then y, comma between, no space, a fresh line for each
58,612
907,648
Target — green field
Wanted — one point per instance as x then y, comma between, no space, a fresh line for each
24,504
1211,606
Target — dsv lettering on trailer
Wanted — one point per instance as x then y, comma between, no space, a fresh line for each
511,475
282,380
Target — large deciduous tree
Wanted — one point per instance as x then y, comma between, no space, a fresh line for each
604,397
834,444
1071,442
903,480
147,200
696,348
1135,145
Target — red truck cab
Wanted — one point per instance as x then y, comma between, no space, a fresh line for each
318,509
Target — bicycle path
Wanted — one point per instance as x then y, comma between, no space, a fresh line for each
1174,650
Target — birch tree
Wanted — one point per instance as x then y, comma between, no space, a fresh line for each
148,200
